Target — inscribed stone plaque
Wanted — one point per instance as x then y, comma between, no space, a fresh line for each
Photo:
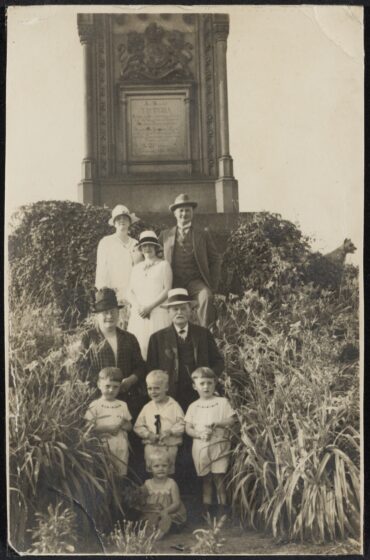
158,128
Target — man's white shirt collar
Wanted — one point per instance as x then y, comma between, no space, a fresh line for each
184,229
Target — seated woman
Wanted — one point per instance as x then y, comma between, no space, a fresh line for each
150,281
106,345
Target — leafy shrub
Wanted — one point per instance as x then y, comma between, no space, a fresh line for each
271,256
209,541
266,254
56,531
130,537
52,255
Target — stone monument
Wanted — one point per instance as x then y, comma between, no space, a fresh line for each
156,112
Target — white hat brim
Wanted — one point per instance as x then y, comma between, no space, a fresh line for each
191,302
132,217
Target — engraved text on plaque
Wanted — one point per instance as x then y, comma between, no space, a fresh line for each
158,128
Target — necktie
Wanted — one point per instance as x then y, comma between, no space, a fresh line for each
182,333
157,423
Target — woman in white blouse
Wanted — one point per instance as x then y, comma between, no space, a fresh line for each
149,285
117,253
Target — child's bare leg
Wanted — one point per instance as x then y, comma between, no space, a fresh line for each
220,488
207,493
164,525
207,489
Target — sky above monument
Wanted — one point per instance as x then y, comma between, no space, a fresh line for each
295,86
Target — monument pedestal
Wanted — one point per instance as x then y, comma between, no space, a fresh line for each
156,194
156,119
226,195
219,224
88,192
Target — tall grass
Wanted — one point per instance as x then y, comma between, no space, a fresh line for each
296,465
129,537
291,355
51,452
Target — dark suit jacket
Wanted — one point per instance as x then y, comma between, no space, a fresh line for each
205,253
163,353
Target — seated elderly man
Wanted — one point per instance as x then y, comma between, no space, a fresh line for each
181,348
195,262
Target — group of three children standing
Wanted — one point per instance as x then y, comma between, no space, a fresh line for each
160,425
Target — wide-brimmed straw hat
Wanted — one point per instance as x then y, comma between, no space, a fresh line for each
121,210
177,296
105,299
148,237
182,200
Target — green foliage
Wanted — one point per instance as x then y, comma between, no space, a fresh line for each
50,449
209,541
291,351
271,256
266,254
56,531
52,255
130,537
296,466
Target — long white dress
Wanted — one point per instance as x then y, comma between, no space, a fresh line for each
147,282
114,263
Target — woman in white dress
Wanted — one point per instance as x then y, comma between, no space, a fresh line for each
150,282
117,254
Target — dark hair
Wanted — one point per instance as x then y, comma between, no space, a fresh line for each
158,249
123,216
111,373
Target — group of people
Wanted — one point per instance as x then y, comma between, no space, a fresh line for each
163,357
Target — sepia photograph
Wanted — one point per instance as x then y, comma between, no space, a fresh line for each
183,233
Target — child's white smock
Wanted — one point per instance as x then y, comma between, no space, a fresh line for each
210,456
171,418
109,415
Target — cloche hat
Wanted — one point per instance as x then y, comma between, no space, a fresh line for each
182,200
148,237
105,299
177,296
121,210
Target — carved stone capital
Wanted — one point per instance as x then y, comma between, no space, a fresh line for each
85,25
221,26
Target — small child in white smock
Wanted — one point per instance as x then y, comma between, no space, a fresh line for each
161,421
207,421
163,506
111,418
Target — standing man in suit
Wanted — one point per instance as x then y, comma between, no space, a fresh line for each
181,348
195,262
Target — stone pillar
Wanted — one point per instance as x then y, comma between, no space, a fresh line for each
87,189
226,186
221,29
